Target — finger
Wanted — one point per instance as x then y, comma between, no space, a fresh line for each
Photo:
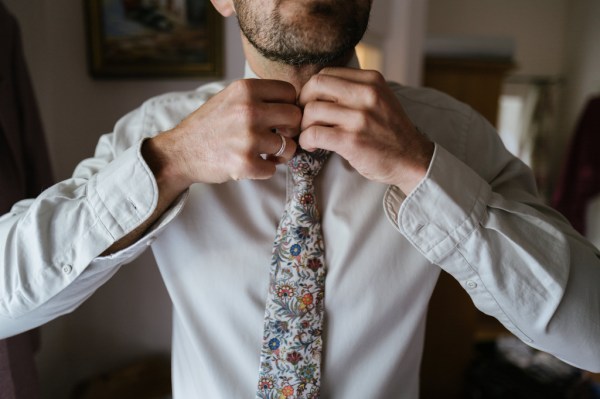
352,87
329,138
256,169
267,90
329,114
284,117
285,151
355,75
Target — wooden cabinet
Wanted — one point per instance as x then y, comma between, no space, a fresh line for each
472,81
453,322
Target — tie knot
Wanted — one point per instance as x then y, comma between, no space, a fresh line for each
304,166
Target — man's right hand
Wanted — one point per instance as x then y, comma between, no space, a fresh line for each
224,138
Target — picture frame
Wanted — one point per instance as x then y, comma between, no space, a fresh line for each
154,38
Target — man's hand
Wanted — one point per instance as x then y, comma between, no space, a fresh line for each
354,113
220,141
224,138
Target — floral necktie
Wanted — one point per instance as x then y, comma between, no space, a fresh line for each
290,364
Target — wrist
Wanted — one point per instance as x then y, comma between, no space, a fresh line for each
414,171
162,158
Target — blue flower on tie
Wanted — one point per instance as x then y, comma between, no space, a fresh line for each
307,373
274,344
295,250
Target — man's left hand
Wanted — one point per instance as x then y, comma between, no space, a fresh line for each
355,114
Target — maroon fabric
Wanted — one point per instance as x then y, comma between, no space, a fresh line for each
24,172
580,177
24,163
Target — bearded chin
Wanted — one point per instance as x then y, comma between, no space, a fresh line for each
297,49
291,43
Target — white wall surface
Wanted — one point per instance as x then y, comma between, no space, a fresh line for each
130,316
398,28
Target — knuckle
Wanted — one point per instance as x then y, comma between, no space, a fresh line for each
361,120
290,150
245,165
290,90
377,77
356,140
296,114
311,107
370,95
242,86
313,135
243,90
318,79
247,114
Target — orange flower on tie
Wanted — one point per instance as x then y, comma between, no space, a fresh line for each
287,391
307,299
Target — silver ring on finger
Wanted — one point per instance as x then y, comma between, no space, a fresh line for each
282,148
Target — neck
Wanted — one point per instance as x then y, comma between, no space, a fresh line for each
297,75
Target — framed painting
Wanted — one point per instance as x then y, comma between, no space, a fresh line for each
154,38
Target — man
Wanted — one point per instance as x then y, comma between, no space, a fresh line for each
195,176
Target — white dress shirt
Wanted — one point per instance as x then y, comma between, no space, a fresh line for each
475,215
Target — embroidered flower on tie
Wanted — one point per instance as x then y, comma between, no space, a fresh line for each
294,357
285,291
314,264
265,383
274,344
295,250
301,232
299,166
281,327
307,299
307,373
306,199
287,391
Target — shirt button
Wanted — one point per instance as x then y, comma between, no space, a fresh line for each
471,284
67,269
150,241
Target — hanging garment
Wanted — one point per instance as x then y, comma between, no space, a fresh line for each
24,172
580,177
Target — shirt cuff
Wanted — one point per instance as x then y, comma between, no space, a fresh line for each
444,208
124,202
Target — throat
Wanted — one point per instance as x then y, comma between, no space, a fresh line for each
297,75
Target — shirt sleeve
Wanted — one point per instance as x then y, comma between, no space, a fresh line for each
480,220
50,246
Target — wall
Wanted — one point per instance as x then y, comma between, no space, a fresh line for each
130,316
538,27
398,28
